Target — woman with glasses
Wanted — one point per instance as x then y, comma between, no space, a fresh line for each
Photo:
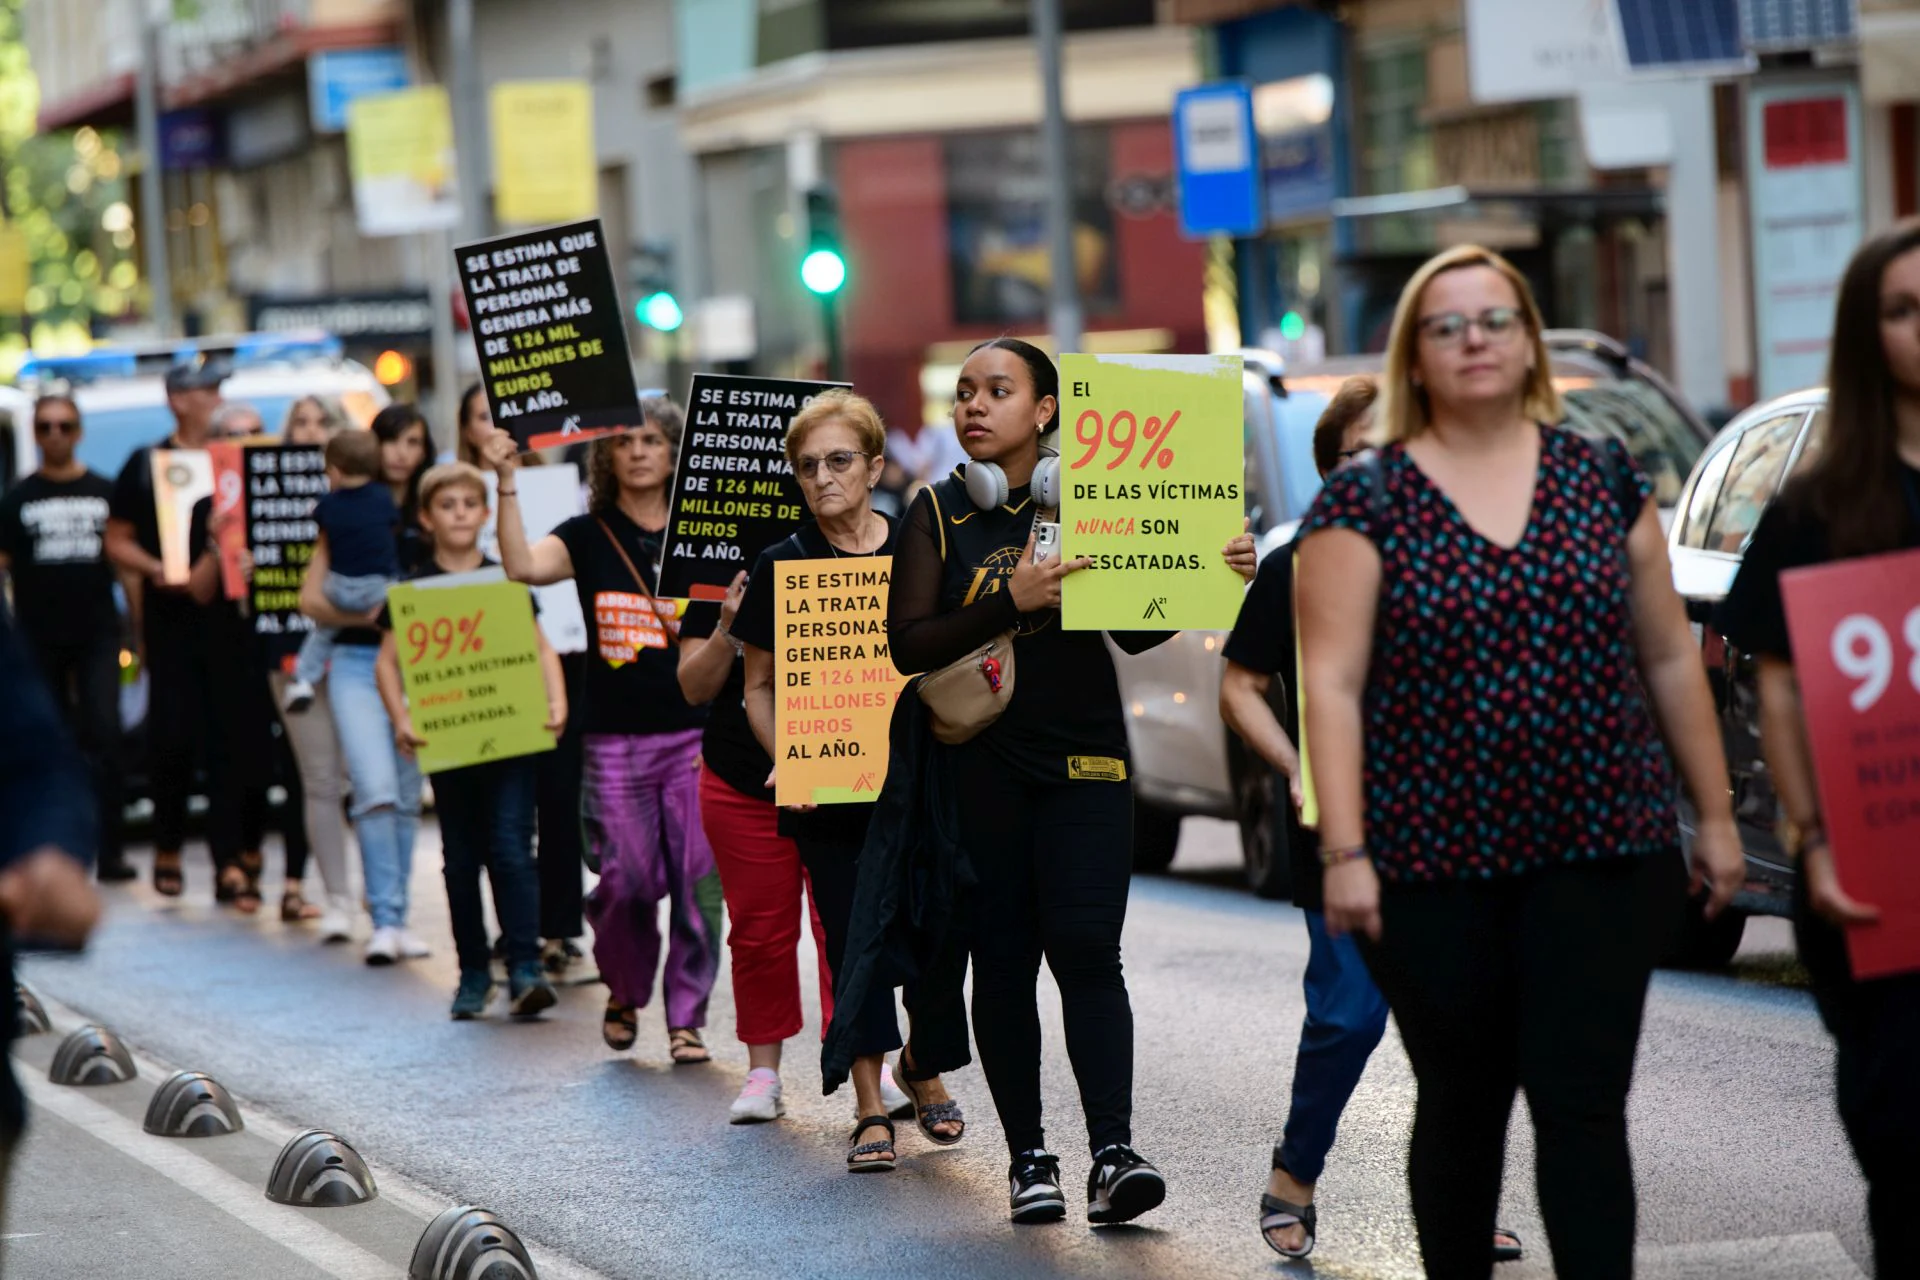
836,446
640,737
1493,651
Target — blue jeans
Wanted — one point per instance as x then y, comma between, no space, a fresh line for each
1346,1016
486,821
349,594
386,784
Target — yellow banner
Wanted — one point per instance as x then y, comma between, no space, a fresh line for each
470,658
834,680
1152,468
544,165
400,152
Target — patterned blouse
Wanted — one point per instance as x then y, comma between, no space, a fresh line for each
1506,724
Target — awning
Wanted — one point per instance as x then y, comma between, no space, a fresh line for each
284,54
108,103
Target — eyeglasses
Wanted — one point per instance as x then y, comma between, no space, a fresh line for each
837,462
1449,328
1348,455
49,426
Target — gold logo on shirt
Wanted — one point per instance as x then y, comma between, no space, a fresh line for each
1096,769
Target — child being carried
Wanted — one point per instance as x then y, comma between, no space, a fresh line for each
358,518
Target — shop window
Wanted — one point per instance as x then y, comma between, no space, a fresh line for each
997,226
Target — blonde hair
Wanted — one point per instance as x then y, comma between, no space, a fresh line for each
838,405
448,475
1404,410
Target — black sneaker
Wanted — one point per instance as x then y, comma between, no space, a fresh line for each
115,871
1122,1186
1035,1181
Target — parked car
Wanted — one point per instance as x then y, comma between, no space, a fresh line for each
1185,761
1737,477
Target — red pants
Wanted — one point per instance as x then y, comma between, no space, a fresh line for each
762,880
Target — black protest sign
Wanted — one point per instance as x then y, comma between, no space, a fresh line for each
733,493
553,347
284,483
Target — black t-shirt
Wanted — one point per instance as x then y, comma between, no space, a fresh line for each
1263,640
360,524
415,556
164,612
54,534
728,745
428,567
949,596
632,683
755,625
1790,535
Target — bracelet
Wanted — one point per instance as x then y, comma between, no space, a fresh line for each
1345,853
509,493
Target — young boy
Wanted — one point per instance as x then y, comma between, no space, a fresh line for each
358,517
486,810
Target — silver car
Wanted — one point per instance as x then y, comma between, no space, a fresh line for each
1185,761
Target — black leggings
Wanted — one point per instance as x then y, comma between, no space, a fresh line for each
85,679
557,812
1536,981
832,864
1053,862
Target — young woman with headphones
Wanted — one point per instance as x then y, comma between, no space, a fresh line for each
1047,814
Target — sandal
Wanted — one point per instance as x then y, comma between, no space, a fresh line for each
686,1048
1277,1214
294,908
1506,1252
235,888
168,879
883,1150
929,1114
620,1026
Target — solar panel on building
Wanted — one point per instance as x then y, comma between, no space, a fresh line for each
1768,26
1673,33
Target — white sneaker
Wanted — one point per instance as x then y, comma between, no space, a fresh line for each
892,1097
383,947
759,1099
336,923
412,948
298,697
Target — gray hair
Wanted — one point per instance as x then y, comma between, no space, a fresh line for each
223,417
331,412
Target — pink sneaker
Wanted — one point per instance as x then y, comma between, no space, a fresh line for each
759,1099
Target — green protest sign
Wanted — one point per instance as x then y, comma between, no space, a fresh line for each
470,657
1152,473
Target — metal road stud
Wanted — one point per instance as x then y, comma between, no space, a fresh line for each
469,1243
92,1056
192,1104
30,1016
318,1170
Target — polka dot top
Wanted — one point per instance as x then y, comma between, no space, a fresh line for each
1506,725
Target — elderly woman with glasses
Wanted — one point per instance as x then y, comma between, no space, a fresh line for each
836,446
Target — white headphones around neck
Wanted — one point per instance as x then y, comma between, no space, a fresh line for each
987,482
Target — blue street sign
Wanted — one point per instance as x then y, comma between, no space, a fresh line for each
1218,157
336,77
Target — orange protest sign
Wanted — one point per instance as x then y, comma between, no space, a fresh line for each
834,680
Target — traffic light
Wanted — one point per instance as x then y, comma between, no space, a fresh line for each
660,310
651,272
824,269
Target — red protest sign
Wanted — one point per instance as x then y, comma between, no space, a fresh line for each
1856,643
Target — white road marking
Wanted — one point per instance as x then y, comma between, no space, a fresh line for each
287,1227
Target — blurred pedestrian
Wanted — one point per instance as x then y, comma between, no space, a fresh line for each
1859,497
473,428
486,809
237,420
172,626
836,445
53,547
1044,813
314,743
386,783
1493,649
639,797
47,815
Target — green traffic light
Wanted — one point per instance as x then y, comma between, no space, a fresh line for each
823,271
660,311
1293,326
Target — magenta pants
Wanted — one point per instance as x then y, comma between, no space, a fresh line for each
640,811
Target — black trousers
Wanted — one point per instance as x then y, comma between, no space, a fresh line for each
1534,981
833,866
1054,862
1875,1026
207,706
557,805
85,680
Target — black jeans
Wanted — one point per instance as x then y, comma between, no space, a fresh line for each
832,871
486,820
1535,981
1876,1031
184,730
1053,862
85,680
557,794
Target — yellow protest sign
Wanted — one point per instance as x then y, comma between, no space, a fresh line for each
400,152
834,680
1152,475
544,165
470,658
